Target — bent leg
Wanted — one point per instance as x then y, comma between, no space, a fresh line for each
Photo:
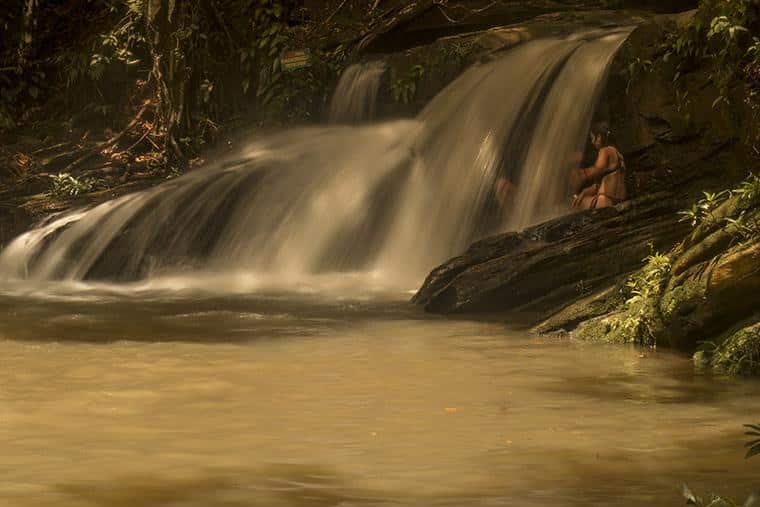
604,202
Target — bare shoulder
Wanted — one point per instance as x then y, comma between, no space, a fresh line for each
612,154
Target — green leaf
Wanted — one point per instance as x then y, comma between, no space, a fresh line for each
268,96
718,501
752,451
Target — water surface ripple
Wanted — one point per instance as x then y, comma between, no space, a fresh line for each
311,401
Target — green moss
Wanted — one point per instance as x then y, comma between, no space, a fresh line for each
628,326
677,300
587,308
600,329
736,352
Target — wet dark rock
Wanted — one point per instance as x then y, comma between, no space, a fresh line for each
463,16
673,138
544,267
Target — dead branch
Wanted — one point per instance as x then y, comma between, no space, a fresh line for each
335,12
110,142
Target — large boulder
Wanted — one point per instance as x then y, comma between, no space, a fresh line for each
666,121
691,297
543,268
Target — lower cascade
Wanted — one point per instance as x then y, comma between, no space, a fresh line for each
396,197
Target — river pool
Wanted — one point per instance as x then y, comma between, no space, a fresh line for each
156,399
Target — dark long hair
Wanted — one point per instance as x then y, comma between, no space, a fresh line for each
602,128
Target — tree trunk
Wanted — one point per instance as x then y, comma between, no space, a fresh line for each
392,19
170,73
25,47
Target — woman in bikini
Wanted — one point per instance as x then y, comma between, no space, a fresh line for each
603,183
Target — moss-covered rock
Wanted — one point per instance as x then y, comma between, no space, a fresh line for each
619,327
595,305
692,297
736,352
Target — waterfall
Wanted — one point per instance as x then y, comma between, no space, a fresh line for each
355,96
394,198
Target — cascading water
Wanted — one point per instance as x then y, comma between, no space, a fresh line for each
355,96
393,198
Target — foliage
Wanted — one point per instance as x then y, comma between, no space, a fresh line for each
753,449
641,293
16,88
702,209
636,68
64,185
404,89
737,352
714,500
753,446
260,57
123,43
647,282
461,49
198,63
720,36
744,227
749,191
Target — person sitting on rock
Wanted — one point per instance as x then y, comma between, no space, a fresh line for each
602,184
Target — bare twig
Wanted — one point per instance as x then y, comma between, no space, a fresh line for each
47,149
335,12
442,5
110,142
142,137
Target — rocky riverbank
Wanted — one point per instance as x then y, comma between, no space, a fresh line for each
698,290
582,275
701,295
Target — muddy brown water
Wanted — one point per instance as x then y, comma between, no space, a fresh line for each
309,400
